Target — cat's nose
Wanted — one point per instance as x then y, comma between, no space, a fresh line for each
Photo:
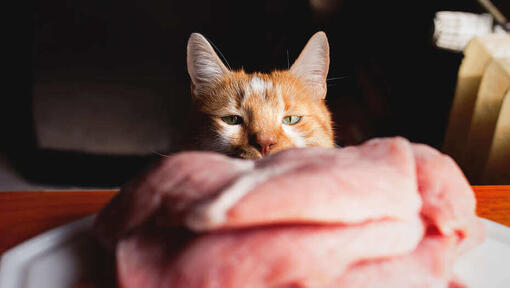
263,143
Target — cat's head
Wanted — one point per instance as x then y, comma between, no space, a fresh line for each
252,115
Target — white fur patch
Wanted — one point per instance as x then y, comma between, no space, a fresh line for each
281,102
258,86
214,212
226,133
295,136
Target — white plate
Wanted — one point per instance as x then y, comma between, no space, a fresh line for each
61,257
487,265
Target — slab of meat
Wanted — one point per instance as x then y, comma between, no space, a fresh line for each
448,200
176,183
314,255
312,217
317,185
430,265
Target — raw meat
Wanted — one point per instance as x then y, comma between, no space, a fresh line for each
317,185
176,183
448,200
310,217
430,265
211,191
261,257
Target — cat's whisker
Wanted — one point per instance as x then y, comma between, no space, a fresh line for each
160,154
221,54
288,61
337,78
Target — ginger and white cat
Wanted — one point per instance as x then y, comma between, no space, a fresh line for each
252,115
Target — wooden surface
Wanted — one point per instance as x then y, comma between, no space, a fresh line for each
26,214
493,203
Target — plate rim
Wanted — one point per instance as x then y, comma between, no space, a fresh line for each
14,258
17,256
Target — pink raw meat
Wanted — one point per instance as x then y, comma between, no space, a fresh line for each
177,181
311,256
429,266
322,185
300,218
448,200
209,191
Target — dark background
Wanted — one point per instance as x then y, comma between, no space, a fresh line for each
387,77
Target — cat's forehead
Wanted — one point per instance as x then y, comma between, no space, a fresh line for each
258,90
258,85
257,93
262,96
276,84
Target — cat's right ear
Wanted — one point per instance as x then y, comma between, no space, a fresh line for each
204,65
312,64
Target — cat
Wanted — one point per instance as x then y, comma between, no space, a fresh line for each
253,115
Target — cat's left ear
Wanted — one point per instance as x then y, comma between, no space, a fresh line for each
312,65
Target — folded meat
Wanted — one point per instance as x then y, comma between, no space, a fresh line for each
448,200
261,257
430,265
317,185
310,217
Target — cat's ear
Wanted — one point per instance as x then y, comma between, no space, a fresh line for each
312,65
204,66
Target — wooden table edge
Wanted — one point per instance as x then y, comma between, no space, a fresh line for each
25,214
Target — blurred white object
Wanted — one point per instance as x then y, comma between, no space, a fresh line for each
61,257
494,11
453,30
502,28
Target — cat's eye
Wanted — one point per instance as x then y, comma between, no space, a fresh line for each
232,119
291,120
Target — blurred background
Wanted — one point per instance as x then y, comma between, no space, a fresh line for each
107,90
